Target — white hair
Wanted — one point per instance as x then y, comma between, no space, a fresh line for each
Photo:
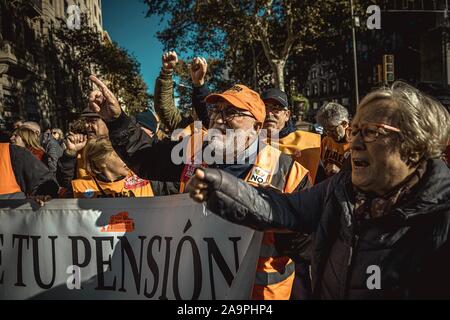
333,114
423,121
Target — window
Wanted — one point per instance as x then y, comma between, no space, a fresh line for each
324,88
333,86
316,89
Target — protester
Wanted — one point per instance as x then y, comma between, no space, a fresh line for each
58,135
27,138
108,177
239,109
75,141
334,119
51,147
303,146
389,213
95,126
171,116
149,123
23,175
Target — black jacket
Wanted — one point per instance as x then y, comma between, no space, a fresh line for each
32,176
410,245
152,159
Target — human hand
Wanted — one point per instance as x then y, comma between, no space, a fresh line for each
198,69
103,101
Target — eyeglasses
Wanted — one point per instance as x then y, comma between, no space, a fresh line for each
370,131
55,132
332,129
226,113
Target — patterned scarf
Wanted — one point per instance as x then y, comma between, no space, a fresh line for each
369,205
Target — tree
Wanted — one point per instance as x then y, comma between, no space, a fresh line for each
239,30
85,51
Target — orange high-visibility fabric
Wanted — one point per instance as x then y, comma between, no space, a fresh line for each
304,147
132,186
333,152
8,183
280,289
267,162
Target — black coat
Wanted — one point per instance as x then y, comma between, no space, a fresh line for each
409,245
31,174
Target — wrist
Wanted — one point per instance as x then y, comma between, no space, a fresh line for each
166,71
199,83
71,153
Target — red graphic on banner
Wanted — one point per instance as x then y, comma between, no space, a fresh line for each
119,223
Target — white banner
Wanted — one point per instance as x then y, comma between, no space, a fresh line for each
128,248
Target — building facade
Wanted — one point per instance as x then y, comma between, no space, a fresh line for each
415,32
28,81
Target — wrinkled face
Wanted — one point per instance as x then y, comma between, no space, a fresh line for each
336,132
276,117
17,140
96,127
242,128
377,165
115,165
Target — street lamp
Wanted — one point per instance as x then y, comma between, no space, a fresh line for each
355,58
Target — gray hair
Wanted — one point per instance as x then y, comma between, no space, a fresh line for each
423,121
332,113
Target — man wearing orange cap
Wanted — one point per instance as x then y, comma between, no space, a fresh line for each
236,119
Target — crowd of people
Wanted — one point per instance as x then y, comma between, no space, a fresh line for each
374,190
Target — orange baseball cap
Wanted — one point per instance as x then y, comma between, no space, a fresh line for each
243,98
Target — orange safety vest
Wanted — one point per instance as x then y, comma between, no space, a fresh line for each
81,166
274,273
131,186
304,147
334,152
8,183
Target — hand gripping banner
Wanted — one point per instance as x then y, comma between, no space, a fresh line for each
133,248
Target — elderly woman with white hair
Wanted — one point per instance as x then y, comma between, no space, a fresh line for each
335,148
381,229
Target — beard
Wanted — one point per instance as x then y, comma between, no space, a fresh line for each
233,144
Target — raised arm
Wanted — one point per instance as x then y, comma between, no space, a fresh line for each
258,208
198,69
165,107
147,157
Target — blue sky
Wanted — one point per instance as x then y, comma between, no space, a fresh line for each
126,24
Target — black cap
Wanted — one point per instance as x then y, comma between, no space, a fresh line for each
88,113
148,120
276,96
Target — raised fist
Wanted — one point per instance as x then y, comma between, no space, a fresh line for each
198,69
75,143
103,101
169,60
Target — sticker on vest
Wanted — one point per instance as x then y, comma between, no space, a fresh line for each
259,176
135,182
88,193
189,170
